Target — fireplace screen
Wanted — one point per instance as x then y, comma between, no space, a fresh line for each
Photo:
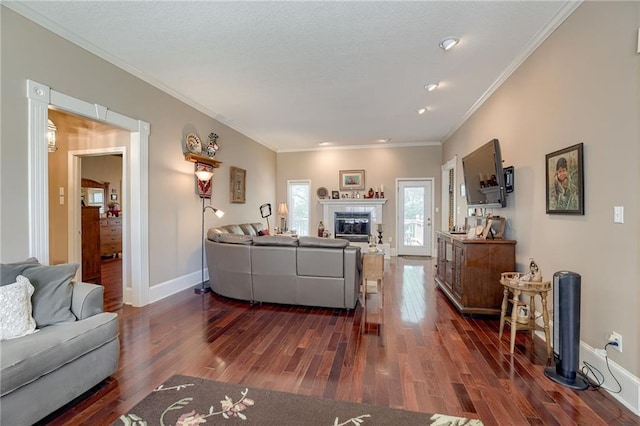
352,226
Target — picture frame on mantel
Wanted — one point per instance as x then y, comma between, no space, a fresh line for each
351,180
238,184
565,181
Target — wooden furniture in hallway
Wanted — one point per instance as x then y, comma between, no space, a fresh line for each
110,236
91,244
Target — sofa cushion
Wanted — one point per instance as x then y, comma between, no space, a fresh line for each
259,227
234,229
248,229
53,291
320,262
275,240
323,242
234,239
15,309
28,358
10,271
212,233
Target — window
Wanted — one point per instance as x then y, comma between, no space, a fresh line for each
299,203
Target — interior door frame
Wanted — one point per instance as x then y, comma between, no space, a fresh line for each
431,240
136,224
446,193
74,218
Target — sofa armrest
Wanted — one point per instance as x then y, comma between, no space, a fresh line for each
352,275
87,300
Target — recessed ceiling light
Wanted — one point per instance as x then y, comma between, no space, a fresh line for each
448,43
421,110
324,143
384,140
431,86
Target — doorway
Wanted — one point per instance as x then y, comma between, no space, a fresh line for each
414,232
135,176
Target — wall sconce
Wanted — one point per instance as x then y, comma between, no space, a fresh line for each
51,136
283,211
204,179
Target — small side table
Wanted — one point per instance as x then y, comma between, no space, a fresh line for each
373,269
527,288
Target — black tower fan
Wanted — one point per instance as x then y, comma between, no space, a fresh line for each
566,330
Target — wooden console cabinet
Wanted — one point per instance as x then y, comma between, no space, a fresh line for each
111,236
468,271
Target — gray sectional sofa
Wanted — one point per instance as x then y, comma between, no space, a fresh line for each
306,271
75,347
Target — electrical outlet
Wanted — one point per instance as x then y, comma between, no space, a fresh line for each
615,338
390,240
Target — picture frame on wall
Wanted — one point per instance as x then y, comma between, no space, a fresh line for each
335,195
565,181
351,180
238,184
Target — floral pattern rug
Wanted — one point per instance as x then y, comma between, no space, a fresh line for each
188,401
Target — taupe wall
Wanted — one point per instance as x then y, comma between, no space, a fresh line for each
175,209
382,166
580,85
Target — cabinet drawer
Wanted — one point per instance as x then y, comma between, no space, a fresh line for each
110,230
110,248
111,221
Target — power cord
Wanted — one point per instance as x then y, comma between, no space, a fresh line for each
588,368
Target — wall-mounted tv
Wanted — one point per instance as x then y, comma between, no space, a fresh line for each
484,177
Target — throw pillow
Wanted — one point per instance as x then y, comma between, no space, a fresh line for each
10,271
53,290
264,232
15,309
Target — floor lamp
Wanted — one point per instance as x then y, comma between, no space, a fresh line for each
205,176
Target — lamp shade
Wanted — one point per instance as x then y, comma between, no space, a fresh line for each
282,209
204,175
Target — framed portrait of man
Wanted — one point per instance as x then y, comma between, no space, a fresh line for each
565,181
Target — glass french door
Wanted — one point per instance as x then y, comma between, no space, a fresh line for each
415,204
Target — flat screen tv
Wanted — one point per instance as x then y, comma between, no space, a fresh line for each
484,178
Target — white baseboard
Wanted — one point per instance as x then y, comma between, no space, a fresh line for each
168,288
630,394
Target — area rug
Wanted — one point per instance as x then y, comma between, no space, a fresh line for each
186,401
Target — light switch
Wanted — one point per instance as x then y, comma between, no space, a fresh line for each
62,200
61,190
618,214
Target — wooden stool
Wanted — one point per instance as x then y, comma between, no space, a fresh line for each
527,288
373,269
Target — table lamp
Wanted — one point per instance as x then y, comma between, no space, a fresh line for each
283,211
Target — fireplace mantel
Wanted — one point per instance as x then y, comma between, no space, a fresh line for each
331,206
354,201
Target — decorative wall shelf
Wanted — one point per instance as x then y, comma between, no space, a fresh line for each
194,158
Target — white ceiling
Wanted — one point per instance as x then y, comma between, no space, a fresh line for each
293,74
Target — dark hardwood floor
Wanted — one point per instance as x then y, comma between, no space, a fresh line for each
432,360
111,279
